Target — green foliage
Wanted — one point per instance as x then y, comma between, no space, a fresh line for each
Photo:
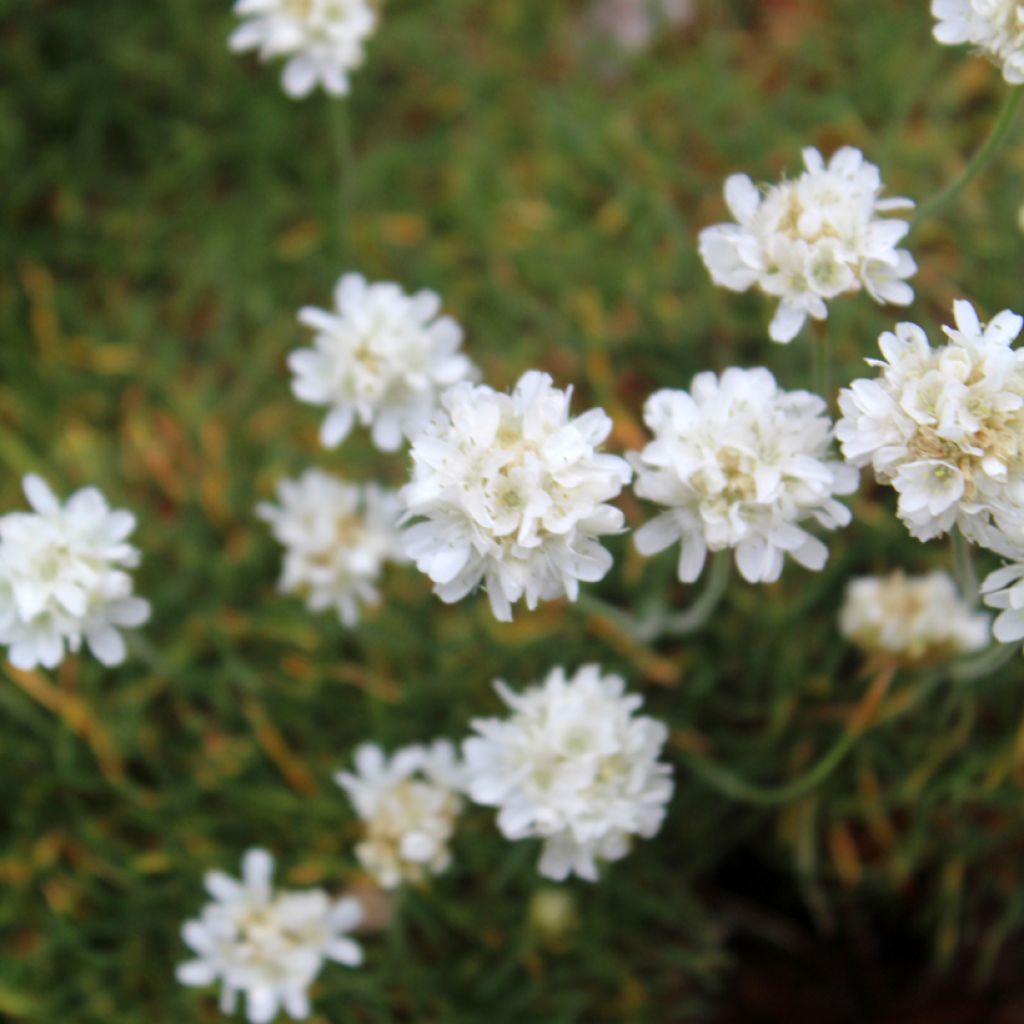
167,210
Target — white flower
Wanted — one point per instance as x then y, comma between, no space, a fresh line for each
268,944
1004,590
512,492
995,27
811,239
380,358
321,39
63,578
945,426
337,537
911,617
410,803
739,463
574,766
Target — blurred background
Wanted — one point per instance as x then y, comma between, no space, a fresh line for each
545,166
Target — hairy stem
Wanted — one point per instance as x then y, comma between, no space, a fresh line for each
977,163
342,136
963,566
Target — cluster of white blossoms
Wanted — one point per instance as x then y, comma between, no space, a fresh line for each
337,537
379,359
911,617
322,40
268,944
811,239
511,491
573,765
945,427
996,27
64,578
739,463
409,803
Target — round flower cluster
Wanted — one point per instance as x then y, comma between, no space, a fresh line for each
945,426
913,618
739,463
380,358
996,27
337,537
267,944
321,39
410,803
574,765
63,578
811,239
511,491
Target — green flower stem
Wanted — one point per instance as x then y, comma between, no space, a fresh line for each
656,624
999,132
342,134
988,662
737,788
963,566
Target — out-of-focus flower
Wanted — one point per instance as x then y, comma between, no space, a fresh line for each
739,463
945,426
633,24
337,537
264,943
913,618
1004,590
321,40
410,803
996,27
379,359
809,240
573,765
63,578
512,491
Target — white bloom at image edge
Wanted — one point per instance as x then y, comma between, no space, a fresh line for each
64,578
379,359
337,538
944,426
738,463
574,765
511,491
266,944
1004,591
995,27
811,239
410,803
321,40
911,617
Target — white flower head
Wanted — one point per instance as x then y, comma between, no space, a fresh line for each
739,463
410,803
380,359
944,426
337,537
811,239
995,27
321,40
511,491
264,943
913,618
64,578
1004,591
574,765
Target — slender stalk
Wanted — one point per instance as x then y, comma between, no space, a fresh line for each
342,136
977,163
821,360
703,607
988,662
737,788
963,566
656,624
